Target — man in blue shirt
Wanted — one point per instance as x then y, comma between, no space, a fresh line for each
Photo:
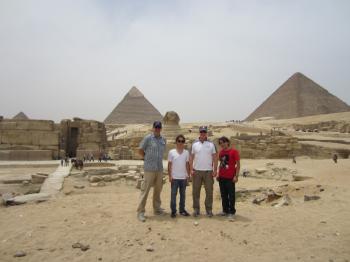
152,148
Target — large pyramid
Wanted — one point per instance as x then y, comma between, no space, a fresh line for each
20,116
299,96
133,109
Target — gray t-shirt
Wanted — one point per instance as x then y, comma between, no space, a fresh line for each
154,148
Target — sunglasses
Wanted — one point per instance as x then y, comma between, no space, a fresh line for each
180,141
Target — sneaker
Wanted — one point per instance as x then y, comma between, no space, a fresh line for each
222,214
141,217
231,217
173,215
209,214
184,213
159,212
196,213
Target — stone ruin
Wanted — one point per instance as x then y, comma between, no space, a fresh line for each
45,140
29,140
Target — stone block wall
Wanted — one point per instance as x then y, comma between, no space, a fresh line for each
28,140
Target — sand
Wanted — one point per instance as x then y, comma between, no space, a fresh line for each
105,219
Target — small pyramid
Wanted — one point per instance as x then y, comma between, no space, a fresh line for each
297,97
21,116
133,109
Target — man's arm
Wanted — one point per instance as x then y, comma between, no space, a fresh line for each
238,167
188,169
170,166
215,164
142,153
191,164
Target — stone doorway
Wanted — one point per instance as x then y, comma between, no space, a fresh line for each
73,142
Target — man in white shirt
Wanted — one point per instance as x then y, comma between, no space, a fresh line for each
178,171
203,167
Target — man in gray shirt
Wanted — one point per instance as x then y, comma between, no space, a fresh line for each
152,148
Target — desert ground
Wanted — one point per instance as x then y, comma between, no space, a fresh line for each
105,219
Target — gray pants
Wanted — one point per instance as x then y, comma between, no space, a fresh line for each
154,179
205,177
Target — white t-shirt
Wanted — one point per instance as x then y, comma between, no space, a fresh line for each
178,161
203,155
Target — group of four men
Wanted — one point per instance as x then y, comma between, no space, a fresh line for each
201,164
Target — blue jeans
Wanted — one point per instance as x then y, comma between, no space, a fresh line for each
181,185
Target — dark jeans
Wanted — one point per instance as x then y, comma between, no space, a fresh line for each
227,190
181,185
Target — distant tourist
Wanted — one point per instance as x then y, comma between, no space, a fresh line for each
178,171
203,166
62,161
66,161
294,160
335,158
228,176
84,157
152,148
245,172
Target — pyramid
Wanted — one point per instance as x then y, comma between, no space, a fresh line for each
20,116
299,96
133,109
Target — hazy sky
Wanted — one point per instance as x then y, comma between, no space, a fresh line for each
206,60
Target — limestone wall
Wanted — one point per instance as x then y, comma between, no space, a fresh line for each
28,140
91,139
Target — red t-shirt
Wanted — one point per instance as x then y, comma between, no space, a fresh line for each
228,159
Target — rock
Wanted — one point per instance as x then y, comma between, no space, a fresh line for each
115,177
79,186
81,246
28,198
38,179
309,198
20,254
260,170
150,248
25,183
271,196
195,223
107,178
5,197
285,201
300,178
101,184
321,189
94,179
138,184
258,200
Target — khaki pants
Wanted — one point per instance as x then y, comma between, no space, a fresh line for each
205,177
154,179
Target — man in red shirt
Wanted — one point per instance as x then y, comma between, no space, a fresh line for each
228,176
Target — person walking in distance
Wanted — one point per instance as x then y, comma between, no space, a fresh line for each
151,149
203,167
178,171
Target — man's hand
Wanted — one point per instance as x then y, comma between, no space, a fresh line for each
170,178
215,173
235,179
192,172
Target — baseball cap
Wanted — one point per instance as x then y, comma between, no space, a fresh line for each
203,129
157,124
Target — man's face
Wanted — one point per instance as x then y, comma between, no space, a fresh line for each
180,143
203,135
157,130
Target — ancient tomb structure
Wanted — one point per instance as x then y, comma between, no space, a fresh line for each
299,96
45,140
133,109
82,137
